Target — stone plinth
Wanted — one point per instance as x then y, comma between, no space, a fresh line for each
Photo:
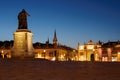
23,46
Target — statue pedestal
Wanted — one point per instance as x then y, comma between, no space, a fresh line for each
23,46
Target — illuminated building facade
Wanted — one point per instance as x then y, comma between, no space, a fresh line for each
5,49
90,51
111,51
53,51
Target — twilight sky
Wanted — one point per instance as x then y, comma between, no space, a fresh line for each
74,20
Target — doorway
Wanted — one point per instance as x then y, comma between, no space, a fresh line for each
92,57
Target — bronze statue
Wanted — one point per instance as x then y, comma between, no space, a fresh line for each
22,19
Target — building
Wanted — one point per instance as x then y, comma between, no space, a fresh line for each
5,49
99,51
111,51
53,51
88,51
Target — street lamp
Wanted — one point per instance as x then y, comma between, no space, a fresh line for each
44,53
2,54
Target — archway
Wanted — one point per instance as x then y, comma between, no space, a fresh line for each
92,57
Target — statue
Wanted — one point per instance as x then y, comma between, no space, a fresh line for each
22,19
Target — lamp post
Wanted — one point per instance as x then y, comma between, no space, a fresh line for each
2,54
44,53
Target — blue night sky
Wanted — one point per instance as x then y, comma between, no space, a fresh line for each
74,20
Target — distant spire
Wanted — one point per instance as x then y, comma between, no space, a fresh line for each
55,42
48,40
55,37
47,43
99,42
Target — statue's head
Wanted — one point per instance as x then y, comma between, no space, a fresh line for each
23,10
